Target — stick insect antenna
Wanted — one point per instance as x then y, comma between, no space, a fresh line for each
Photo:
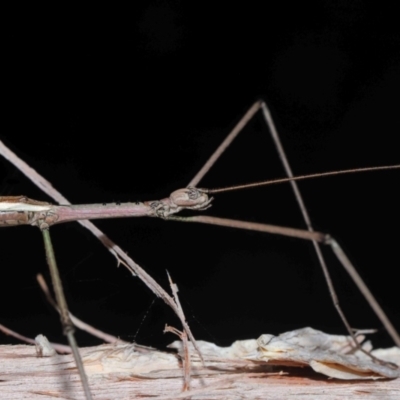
301,178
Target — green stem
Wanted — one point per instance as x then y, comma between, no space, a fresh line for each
66,322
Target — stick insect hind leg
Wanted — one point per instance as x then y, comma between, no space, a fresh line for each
315,237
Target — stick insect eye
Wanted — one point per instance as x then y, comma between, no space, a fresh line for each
190,198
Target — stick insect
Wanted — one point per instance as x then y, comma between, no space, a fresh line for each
42,215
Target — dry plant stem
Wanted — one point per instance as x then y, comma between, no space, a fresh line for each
174,289
186,359
260,105
183,337
16,335
60,348
115,250
78,323
62,304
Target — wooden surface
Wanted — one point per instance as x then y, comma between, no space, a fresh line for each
117,372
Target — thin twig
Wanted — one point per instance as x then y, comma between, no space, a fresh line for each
60,348
186,355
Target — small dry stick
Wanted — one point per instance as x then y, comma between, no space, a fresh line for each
61,348
182,336
186,355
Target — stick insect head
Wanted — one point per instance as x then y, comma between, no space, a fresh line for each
191,198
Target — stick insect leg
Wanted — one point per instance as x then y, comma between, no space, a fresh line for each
348,266
338,252
62,304
225,144
299,198
334,245
319,238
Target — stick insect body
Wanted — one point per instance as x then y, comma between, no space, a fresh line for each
21,210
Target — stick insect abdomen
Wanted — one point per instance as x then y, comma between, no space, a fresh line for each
19,210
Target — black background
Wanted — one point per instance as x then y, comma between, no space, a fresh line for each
127,104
